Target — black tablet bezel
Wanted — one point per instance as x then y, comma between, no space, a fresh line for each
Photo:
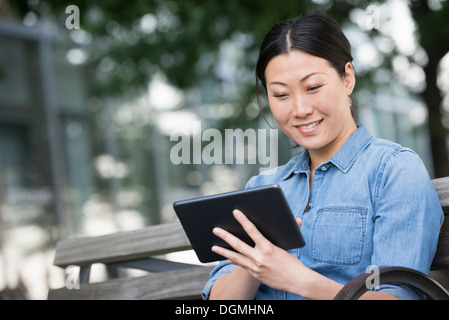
265,206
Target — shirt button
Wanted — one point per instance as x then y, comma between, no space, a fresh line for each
323,168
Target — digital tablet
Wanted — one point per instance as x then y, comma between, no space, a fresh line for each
266,207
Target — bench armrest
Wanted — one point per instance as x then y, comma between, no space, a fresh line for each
429,287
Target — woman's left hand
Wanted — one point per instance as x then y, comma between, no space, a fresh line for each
266,262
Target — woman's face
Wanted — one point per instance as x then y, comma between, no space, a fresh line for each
310,101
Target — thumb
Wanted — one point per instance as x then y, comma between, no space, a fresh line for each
298,222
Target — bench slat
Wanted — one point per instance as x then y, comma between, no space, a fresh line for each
122,246
187,284
441,260
441,185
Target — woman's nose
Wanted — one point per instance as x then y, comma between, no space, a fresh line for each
301,108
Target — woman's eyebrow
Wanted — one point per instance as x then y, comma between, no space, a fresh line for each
310,75
301,81
278,83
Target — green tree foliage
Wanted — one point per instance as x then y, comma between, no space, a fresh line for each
134,40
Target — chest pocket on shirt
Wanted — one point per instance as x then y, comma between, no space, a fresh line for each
338,235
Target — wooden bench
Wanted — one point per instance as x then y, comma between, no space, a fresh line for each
140,249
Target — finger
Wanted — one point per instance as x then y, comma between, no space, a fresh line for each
232,256
249,227
233,241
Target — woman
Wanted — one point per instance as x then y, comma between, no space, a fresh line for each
360,202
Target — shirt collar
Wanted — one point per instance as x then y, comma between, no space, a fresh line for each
351,149
344,158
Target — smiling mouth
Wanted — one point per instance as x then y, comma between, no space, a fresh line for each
310,125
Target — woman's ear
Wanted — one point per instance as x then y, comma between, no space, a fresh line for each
349,78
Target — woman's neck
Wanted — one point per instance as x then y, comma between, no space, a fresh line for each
321,155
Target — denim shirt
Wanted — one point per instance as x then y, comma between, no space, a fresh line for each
372,204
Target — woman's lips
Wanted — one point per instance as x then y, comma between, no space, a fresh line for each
309,128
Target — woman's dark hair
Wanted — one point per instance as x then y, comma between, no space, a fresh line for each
317,34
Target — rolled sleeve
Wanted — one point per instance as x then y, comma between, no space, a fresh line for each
407,221
223,268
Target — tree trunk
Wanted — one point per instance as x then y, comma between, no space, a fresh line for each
433,99
436,46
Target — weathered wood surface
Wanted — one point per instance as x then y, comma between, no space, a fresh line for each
122,246
441,260
441,185
185,284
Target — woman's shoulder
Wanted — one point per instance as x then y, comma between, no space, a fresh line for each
398,162
388,145
386,150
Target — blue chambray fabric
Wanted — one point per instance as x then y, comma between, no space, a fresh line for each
372,204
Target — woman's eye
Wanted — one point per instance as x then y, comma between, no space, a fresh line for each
280,95
313,88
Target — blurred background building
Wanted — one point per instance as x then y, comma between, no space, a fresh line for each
87,114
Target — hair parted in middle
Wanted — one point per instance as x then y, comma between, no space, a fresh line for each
317,34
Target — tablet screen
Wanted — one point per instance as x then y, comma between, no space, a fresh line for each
266,207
